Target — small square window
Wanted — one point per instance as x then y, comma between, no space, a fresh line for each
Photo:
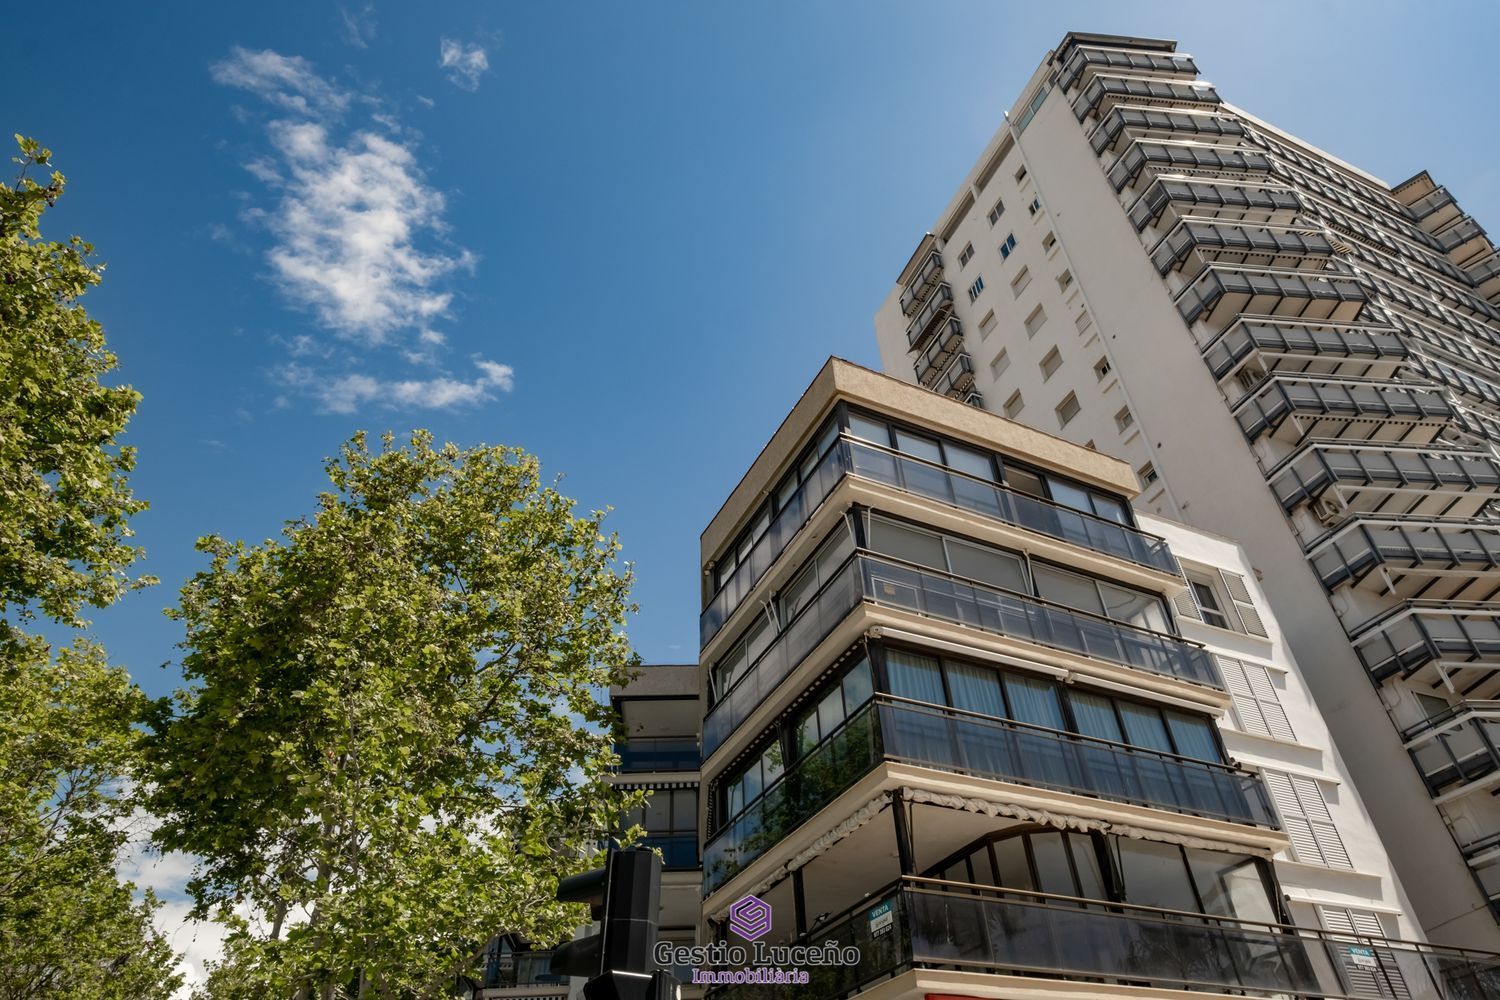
1014,405
1049,241
996,212
1067,409
1020,281
1147,473
1064,280
966,256
1051,363
998,366
1102,368
987,325
1007,246
1124,420
1021,174
1034,321
976,288
1035,206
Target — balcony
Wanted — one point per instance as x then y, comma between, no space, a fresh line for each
1411,557
1462,241
929,272
1252,203
1292,408
660,754
1458,751
528,971
1435,209
948,342
1105,90
1435,642
940,925
891,583
957,380
1184,157
1134,61
679,851
1219,295
1306,348
1389,479
1138,122
1196,243
1485,273
937,306
958,742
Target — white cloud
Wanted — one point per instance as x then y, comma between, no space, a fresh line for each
359,25
348,392
426,102
465,63
287,82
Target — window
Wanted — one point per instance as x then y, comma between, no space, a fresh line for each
1221,598
1306,819
1020,281
996,212
987,325
998,366
1014,405
1084,321
1102,368
1096,597
1064,280
948,555
1021,174
1124,419
1208,603
1051,363
976,288
1067,409
966,256
1035,206
670,819
1035,320
1257,709
821,719
1049,241
1372,972
1007,246
1147,473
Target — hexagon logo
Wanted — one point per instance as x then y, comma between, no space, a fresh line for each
750,917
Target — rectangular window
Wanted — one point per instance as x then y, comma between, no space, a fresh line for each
1049,241
1035,206
1147,473
996,212
987,325
1257,709
966,256
1014,405
1064,280
998,366
976,288
1051,363
1007,246
1067,409
1124,419
1222,598
1035,320
1020,281
1306,819
1021,174
1102,368
1208,604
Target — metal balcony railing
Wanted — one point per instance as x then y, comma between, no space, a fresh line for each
1457,748
1424,546
891,583
1465,230
1179,157
1143,91
1221,292
1418,633
933,309
1280,247
940,350
1320,465
1214,196
1133,60
1154,120
952,925
1284,396
921,283
520,969
1271,338
952,740
957,379
1434,208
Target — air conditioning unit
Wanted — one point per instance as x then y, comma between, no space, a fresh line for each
1328,509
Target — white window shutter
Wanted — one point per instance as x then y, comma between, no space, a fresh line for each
1305,816
1371,971
1256,704
1239,596
1187,605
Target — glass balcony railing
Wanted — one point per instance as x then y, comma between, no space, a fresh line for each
1218,292
948,739
1214,196
930,270
1457,748
1318,466
1401,546
659,754
891,583
1417,633
948,925
1244,337
679,851
938,304
1285,396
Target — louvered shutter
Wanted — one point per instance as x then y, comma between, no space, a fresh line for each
1371,970
1187,605
1256,706
1239,595
1305,816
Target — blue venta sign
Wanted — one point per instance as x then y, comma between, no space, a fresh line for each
882,919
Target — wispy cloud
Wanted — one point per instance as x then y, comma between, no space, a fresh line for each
465,62
288,82
359,25
348,393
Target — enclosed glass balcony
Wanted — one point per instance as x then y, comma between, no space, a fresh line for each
1457,749
1440,638
1196,243
937,306
948,925
1406,553
1136,122
1331,408
1366,477
1133,60
659,754
929,272
1322,349
943,347
1221,294
949,739
1222,199
890,583
1105,90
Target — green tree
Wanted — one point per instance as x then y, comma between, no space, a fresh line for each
68,749
392,743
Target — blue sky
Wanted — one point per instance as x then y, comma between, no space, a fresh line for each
622,236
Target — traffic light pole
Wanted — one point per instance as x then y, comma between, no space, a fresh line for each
624,898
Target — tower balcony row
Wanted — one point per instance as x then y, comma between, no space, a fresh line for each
1442,559
1252,347
1434,643
1458,751
1166,200
1161,123
1387,479
1222,293
1105,91
1293,408
1087,60
1194,243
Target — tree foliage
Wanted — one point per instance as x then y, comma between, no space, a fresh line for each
393,743
68,747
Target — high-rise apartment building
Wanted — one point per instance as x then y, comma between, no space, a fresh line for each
953,720
1287,351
